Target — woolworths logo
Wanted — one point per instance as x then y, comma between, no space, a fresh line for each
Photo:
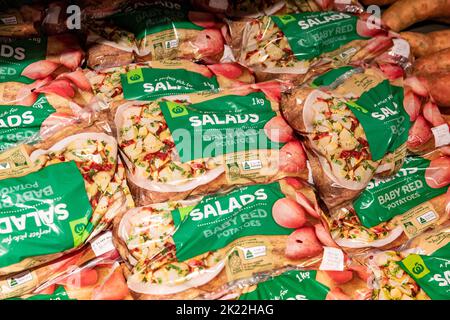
135,76
78,229
415,264
176,110
287,19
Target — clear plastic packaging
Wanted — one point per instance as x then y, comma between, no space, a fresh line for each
392,210
201,143
199,247
69,189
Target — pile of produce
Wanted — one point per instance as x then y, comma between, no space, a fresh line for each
234,150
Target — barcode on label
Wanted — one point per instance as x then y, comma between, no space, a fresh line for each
441,135
102,244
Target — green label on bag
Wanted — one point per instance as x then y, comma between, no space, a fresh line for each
219,126
220,219
16,54
42,213
432,273
291,285
147,19
59,294
311,34
20,123
386,123
384,199
150,84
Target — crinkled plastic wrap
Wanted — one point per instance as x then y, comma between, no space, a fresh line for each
305,284
57,195
417,270
253,9
430,128
200,143
165,30
50,111
29,64
296,46
196,248
157,79
93,272
354,126
392,210
20,21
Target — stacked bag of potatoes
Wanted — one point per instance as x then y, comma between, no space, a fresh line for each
292,149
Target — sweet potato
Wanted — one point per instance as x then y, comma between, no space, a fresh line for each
425,44
438,85
437,62
378,2
405,13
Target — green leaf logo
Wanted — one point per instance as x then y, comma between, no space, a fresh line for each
415,265
287,19
135,76
176,110
418,268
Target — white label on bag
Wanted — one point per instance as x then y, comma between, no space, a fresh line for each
441,135
332,260
103,244
401,47
9,20
20,279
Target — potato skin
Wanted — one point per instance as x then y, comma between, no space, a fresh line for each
378,2
426,44
404,13
438,85
437,62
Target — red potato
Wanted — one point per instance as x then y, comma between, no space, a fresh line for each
229,70
83,278
48,290
432,114
272,89
426,44
303,243
337,294
437,175
71,59
392,71
365,28
61,87
405,13
340,277
324,236
292,157
306,204
419,134
278,130
209,42
27,95
78,78
295,182
361,271
412,104
39,69
114,288
288,213
416,86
